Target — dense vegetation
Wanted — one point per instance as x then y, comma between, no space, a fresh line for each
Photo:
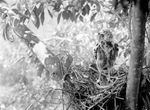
74,54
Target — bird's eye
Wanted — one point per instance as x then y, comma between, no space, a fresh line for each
109,44
102,35
103,43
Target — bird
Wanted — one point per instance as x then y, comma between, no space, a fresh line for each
105,53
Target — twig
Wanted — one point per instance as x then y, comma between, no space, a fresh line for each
116,14
28,107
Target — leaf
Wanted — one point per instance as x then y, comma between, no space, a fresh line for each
40,9
69,13
57,6
72,17
15,10
81,18
42,17
6,34
51,60
93,17
69,6
20,30
82,2
50,14
86,10
36,20
3,1
7,30
76,17
109,12
27,13
83,12
35,11
22,19
58,18
64,14
40,70
69,61
22,16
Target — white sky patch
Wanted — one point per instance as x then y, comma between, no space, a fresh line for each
41,51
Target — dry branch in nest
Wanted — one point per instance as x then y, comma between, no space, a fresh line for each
86,94
101,84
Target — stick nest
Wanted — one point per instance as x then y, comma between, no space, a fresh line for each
87,94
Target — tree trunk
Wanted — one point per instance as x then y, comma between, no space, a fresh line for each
137,52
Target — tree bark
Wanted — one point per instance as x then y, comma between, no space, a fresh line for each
137,52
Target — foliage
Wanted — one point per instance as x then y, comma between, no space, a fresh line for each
73,42
68,38
86,94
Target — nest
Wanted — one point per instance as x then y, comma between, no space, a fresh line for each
88,91
87,94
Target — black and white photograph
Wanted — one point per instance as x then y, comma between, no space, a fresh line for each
74,54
